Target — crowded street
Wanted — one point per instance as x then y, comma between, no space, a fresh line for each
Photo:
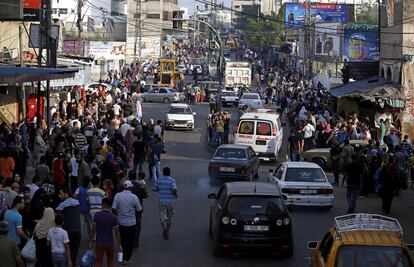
202,133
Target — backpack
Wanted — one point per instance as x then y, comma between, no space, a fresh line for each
140,192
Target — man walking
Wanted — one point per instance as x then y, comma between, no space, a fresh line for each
10,253
14,220
70,208
104,223
127,205
353,183
167,188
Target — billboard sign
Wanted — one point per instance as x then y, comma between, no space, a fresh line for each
361,43
327,41
319,12
31,10
109,51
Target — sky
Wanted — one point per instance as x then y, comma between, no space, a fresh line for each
191,4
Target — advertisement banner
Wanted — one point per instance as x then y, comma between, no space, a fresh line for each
319,12
109,51
361,43
327,39
31,10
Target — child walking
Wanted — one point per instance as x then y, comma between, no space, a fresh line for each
58,239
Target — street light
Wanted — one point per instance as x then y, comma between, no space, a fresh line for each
221,58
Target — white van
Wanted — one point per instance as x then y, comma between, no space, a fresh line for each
262,130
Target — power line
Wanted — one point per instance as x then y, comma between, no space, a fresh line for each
311,27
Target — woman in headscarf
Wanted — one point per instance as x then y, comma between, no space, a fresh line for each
110,171
40,147
43,252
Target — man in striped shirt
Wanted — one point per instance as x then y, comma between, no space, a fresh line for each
95,195
167,188
80,140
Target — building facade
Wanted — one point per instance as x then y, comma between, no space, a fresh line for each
149,22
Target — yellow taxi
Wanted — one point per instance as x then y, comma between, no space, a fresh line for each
362,240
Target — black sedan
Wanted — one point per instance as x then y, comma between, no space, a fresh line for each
234,162
250,215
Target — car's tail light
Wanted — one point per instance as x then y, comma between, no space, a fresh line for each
326,191
175,94
290,191
233,221
279,222
225,220
274,131
286,221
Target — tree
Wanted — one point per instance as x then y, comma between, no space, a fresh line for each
265,31
367,14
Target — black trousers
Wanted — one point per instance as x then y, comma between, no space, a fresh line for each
127,240
74,244
73,183
43,253
387,198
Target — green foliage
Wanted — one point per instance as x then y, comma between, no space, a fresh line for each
264,32
367,14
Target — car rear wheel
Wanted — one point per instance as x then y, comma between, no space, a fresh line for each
166,100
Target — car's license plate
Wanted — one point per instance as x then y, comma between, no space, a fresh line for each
226,169
256,228
308,191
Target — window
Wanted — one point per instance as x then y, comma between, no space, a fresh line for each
251,205
163,91
137,15
54,11
230,153
153,16
378,256
312,175
325,246
167,16
264,128
246,127
237,6
250,96
63,11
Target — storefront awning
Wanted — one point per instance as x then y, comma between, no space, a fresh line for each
12,75
375,89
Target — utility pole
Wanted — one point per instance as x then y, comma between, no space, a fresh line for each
138,30
51,56
79,25
307,40
22,94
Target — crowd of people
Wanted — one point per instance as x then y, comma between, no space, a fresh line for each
381,163
82,178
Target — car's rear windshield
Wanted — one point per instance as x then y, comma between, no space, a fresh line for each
229,93
250,97
179,110
255,205
372,256
305,175
230,153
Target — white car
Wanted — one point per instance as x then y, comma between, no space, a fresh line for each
253,99
302,184
93,87
179,116
181,68
229,98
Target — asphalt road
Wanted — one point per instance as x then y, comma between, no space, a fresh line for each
189,243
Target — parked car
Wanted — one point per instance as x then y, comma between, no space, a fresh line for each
362,240
95,86
234,161
322,156
302,184
162,95
229,98
179,116
250,215
253,99
149,87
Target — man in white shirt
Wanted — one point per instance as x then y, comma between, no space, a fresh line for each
308,131
117,108
158,129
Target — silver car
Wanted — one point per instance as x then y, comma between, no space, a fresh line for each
162,95
302,184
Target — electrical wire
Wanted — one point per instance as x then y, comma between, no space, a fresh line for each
311,29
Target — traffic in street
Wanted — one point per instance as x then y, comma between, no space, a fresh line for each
188,155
